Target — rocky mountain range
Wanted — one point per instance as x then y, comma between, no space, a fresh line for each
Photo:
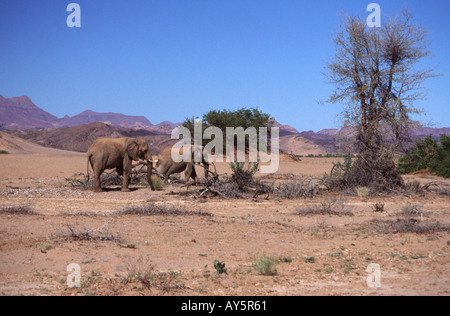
22,118
80,137
20,113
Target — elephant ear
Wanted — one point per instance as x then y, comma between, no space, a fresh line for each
133,149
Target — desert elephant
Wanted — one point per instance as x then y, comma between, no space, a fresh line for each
165,166
118,153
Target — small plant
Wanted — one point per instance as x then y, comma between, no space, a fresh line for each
46,247
340,172
264,264
157,182
138,272
286,259
412,210
413,186
220,267
129,245
362,191
92,279
378,207
310,259
3,152
243,177
252,167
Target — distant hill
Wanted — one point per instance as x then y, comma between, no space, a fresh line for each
114,119
16,145
285,129
22,113
24,119
80,138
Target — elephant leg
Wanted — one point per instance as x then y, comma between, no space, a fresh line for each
206,167
169,171
97,187
149,175
190,172
126,176
194,173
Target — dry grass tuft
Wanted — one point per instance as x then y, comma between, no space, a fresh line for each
152,209
409,225
330,207
17,210
102,233
298,189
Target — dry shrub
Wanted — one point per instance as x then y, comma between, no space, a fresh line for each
329,207
412,210
444,191
224,189
152,209
17,210
413,186
409,225
375,170
145,274
298,189
102,233
240,185
378,207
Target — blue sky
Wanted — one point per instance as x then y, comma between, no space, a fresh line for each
171,59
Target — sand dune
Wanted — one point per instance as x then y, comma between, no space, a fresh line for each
16,145
298,145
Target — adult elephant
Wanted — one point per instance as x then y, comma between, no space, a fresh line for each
166,166
119,153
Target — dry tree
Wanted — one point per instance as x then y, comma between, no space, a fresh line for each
376,74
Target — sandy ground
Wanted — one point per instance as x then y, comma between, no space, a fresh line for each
175,254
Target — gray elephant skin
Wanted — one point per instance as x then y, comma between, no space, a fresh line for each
118,153
165,165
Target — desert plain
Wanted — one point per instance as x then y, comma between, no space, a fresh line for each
212,245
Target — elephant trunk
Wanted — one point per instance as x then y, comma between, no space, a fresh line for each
149,174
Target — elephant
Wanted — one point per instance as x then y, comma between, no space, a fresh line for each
118,153
165,165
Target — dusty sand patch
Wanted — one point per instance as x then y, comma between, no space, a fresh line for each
318,255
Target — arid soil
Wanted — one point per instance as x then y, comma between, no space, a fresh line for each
47,223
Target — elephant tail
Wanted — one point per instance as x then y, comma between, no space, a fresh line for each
88,163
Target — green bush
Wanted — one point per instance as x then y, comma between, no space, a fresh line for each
265,264
441,164
428,154
419,157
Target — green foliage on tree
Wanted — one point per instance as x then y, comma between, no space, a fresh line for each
239,118
242,117
440,165
428,154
